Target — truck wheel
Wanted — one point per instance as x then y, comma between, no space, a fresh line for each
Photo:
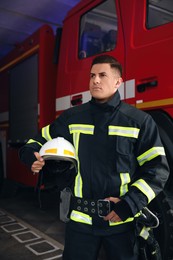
162,205
1,168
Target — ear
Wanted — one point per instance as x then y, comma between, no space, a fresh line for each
118,83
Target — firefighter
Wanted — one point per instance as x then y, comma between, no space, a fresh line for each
121,167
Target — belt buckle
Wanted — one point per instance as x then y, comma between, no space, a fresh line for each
103,207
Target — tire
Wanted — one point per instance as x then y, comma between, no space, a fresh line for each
162,206
1,168
163,203
165,126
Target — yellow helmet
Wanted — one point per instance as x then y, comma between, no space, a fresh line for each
58,149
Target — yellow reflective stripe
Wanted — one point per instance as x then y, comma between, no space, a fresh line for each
144,233
150,154
80,217
53,151
86,219
81,128
45,133
78,180
126,221
124,131
125,179
67,152
144,188
76,130
120,222
30,141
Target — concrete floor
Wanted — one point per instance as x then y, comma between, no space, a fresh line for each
28,231
23,222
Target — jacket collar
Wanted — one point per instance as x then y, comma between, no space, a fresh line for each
111,104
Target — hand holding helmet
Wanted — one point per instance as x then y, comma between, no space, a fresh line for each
38,164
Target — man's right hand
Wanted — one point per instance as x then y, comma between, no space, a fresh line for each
37,165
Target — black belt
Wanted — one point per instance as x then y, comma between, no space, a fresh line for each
91,207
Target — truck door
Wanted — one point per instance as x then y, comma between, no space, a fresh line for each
148,27
97,29
148,36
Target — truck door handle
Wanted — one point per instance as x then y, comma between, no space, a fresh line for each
142,87
76,100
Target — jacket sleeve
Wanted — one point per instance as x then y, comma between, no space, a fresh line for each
57,128
152,171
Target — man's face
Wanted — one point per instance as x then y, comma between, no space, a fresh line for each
104,82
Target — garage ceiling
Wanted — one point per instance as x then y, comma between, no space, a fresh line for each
20,18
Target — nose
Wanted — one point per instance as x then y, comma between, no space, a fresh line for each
96,80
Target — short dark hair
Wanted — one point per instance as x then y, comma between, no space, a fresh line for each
114,63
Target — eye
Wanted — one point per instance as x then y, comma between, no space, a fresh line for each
102,75
92,76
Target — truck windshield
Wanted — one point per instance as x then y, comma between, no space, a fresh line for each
159,12
98,30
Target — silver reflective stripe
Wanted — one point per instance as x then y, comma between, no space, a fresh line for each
150,154
81,128
81,217
144,233
45,133
145,189
125,179
124,131
30,141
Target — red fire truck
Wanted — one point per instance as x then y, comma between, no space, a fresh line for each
47,74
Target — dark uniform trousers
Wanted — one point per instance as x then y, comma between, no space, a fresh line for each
86,246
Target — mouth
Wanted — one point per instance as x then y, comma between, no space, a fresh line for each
96,88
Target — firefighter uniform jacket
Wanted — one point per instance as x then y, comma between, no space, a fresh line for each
119,154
